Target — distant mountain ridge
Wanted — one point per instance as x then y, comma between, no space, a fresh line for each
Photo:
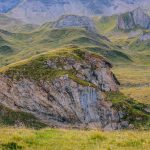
40,11
75,21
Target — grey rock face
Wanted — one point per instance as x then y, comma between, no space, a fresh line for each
75,21
64,102
141,19
145,37
61,103
126,22
136,18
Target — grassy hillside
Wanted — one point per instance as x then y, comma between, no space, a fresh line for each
26,44
105,25
47,139
44,39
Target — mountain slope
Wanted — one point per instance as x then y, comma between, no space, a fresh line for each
8,23
81,32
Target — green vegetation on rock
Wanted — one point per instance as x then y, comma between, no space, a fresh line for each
10,117
136,113
36,69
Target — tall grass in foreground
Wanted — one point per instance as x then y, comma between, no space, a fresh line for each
61,139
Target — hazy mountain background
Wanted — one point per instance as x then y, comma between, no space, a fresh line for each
40,11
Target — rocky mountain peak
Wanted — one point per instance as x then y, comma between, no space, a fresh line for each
133,19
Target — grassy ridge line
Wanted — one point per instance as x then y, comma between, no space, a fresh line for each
53,53
22,62
35,69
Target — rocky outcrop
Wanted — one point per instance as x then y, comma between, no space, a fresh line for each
75,21
131,20
61,103
66,101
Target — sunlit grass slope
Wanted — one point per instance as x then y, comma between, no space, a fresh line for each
131,75
141,94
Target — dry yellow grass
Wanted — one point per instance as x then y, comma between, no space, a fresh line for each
141,94
135,81
133,74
